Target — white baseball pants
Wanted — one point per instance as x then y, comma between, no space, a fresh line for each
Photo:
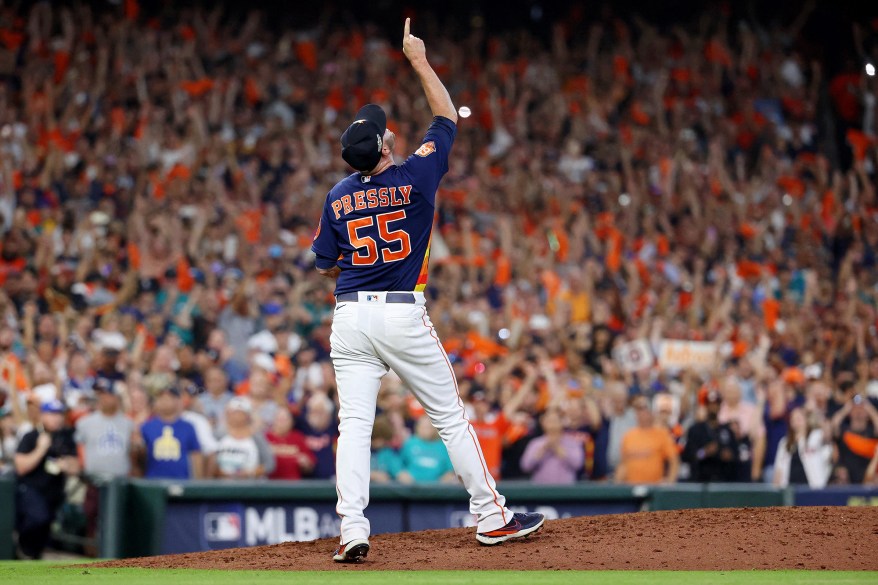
368,337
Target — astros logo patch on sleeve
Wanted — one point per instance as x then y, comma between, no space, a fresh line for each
426,149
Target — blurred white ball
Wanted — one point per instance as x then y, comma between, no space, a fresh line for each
870,69
464,112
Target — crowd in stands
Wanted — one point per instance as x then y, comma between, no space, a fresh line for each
655,260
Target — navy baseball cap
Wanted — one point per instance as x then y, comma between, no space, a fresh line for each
55,406
361,143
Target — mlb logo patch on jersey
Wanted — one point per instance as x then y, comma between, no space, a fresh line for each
426,149
373,298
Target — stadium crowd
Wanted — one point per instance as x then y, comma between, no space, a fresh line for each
655,255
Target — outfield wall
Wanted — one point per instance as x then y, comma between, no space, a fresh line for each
160,517
141,517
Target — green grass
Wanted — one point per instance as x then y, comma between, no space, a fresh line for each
40,573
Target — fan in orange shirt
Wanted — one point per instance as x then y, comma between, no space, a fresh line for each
496,429
490,427
648,452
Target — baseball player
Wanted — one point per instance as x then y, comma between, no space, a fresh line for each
374,238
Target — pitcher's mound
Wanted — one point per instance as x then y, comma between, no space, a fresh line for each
713,539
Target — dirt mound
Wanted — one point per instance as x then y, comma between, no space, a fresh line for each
719,539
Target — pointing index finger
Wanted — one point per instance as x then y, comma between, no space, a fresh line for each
405,32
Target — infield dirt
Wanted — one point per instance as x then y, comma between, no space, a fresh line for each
836,538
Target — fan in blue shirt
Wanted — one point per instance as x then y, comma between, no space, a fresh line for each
172,448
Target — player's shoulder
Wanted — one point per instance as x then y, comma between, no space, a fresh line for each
442,127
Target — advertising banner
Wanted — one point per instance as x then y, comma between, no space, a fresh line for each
193,526
836,496
676,355
200,526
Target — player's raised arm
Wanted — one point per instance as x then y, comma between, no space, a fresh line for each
437,96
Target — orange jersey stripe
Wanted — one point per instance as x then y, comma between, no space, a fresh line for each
422,277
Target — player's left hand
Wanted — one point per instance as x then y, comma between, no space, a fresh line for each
412,46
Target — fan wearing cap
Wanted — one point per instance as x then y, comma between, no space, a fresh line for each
745,420
104,438
711,447
373,237
110,344
44,458
171,444
105,434
242,453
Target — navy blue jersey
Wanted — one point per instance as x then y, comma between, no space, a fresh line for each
377,228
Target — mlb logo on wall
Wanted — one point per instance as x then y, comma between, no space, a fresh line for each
222,527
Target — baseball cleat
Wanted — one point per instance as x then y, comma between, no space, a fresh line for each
522,525
352,552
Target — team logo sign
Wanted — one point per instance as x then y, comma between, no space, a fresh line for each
426,149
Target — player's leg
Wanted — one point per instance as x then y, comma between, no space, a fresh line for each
358,375
411,348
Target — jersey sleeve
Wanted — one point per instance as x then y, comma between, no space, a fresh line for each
426,167
325,244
